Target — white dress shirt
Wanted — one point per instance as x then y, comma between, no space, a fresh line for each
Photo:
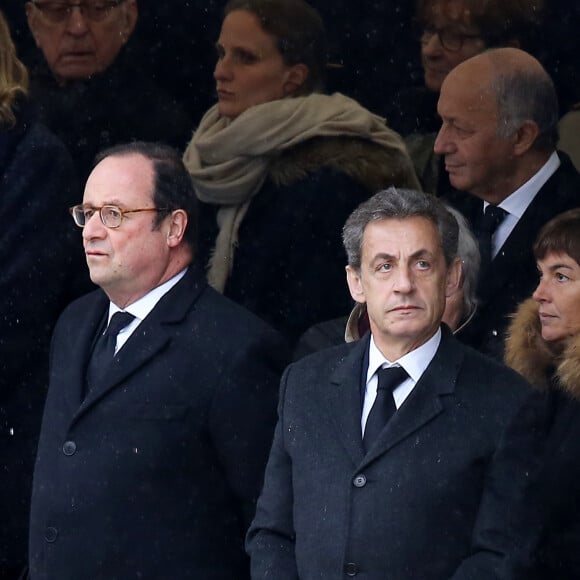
414,363
141,308
517,203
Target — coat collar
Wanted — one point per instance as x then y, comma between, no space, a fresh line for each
343,400
530,355
363,160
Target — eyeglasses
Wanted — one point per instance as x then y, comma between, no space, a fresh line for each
448,38
57,12
111,215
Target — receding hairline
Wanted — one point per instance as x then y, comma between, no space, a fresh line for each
495,62
120,155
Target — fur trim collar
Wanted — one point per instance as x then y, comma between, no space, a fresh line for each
369,163
534,358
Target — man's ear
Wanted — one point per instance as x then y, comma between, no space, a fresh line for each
454,277
525,137
176,231
355,284
296,77
130,15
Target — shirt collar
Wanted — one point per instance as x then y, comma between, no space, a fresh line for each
414,362
517,202
142,307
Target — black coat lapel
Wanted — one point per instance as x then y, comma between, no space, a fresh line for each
341,399
75,353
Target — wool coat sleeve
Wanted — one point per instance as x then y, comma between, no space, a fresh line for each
247,394
270,540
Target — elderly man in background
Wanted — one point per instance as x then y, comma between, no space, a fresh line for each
451,32
88,88
500,113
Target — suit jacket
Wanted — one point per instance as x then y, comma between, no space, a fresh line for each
429,500
155,473
512,275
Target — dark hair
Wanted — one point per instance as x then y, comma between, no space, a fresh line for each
298,31
527,95
499,22
172,187
561,235
395,203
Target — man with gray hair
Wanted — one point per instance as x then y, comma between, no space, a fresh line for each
392,455
499,116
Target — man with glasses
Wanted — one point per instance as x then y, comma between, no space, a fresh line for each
81,39
90,87
162,395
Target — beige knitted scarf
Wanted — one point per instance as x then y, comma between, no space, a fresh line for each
228,159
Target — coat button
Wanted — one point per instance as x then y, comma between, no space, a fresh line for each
359,481
351,569
50,534
69,448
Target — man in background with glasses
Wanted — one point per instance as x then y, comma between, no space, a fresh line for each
162,395
89,88
81,39
451,31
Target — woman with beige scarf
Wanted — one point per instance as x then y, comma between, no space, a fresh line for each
278,167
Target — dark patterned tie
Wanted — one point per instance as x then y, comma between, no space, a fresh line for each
105,347
384,406
490,221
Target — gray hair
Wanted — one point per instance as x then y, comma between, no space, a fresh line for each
527,95
396,203
468,252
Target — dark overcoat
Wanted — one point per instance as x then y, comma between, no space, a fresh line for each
41,262
430,499
552,503
155,473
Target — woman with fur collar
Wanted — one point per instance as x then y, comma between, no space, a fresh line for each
543,345
278,167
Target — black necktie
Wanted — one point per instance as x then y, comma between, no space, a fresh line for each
104,350
384,406
492,217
